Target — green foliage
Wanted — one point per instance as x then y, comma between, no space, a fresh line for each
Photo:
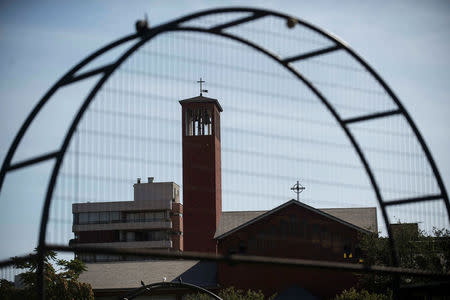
231,294
59,285
353,294
8,291
416,251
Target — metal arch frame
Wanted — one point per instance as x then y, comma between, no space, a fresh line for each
159,285
146,35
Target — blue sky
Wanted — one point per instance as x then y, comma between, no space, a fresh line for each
407,42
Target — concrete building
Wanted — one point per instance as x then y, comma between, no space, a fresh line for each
154,220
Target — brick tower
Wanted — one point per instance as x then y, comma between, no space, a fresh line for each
202,183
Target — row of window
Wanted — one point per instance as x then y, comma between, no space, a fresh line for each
145,216
105,258
349,251
106,217
99,257
111,236
300,229
139,236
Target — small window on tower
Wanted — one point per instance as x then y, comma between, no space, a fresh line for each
198,121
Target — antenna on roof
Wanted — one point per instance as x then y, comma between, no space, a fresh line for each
201,89
298,188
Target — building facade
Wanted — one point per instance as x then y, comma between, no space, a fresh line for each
291,230
154,220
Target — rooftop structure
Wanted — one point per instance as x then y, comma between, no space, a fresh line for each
152,221
363,217
117,278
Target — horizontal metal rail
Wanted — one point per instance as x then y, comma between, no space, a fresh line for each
254,16
310,54
88,74
372,116
33,161
413,200
249,259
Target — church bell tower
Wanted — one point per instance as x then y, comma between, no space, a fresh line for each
202,183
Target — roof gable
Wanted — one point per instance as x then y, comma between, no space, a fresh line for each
221,233
201,99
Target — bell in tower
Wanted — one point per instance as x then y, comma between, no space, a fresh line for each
202,177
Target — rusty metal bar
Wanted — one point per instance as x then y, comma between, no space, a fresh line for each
234,259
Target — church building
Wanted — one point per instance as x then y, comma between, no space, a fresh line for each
291,230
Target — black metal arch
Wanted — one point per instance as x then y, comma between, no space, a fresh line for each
144,35
173,285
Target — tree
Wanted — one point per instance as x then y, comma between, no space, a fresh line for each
232,294
416,250
62,284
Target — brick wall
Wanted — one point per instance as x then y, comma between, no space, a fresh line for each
292,232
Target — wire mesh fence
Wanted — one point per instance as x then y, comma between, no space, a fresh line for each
275,129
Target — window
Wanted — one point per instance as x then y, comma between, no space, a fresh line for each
130,217
93,218
242,247
158,235
101,257
302,227
130,236
139,236
315,233
284,227
140,217
115,217
148,216
347,250
358,253
325,237
83,218
252,243
160,215
293,224
175,194
87,257
198,121
104,217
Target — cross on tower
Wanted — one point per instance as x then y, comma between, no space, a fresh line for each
298,188
201,89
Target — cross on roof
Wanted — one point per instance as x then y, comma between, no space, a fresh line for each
201,89
298,188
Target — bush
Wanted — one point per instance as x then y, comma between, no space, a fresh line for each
353,294
232,294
